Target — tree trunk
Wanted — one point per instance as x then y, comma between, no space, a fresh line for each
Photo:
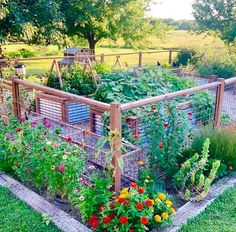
92,43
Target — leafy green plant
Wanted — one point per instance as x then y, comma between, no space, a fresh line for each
168,132
222,147
191,181
124,86
39,157
101,68
74,81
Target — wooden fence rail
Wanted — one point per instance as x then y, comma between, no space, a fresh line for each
116,109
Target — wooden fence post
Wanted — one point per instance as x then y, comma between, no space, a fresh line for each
140,59
102,58
16,99
170,57
115,125
219,102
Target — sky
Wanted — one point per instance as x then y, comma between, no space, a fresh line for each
176,9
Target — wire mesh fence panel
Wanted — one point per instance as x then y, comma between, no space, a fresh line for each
229,104
164,128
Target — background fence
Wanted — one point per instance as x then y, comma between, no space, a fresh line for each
38,65
167,115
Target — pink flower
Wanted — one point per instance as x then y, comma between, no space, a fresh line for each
61,168
22,119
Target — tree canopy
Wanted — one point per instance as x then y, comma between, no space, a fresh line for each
218,16
51,21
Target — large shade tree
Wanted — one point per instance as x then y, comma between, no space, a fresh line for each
94,20
218,16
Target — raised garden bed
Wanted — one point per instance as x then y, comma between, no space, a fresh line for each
61,109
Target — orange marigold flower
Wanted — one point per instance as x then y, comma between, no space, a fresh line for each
87,132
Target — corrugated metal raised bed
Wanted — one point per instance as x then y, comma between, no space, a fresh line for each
61,109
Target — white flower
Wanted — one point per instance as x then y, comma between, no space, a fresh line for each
91,167
64,157
81,198
49,143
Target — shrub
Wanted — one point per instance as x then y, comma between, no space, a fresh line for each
222,70
222,147
21,53
185,57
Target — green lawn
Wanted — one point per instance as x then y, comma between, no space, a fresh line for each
220,216
214,47
16,216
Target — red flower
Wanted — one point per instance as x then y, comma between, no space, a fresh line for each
101,208
112,207
190,119
106,220
123,220
131,230
144,220
18,129
133,185
140,206
140,190
93,221
111,216
22,119
161,146
149,203
61,168
190,113
154,108
166,124
69,140
121,200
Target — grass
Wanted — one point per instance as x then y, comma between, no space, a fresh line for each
176,39
220,216
15,215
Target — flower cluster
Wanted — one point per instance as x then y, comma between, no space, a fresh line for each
133,210
39,156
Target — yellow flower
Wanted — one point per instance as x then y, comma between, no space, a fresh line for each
172,210
157,218
165,215
157,200
123,195
64,157
125,190
140,163
53,167
162,196
169,203
49,143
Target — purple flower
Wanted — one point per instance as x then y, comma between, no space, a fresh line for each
34,123
47,125
12,139
8,136
22,119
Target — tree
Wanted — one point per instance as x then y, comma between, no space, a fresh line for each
94,20
218,16
30,21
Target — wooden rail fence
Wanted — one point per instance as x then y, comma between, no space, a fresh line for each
116,109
